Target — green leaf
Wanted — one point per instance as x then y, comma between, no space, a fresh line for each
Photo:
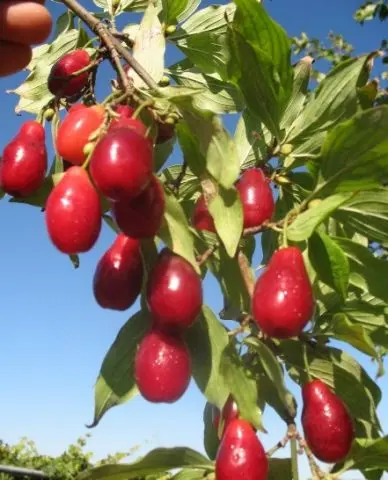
175,11
343,329
175,231
275,377
162,152
260,62
203,38
188,474
366,271
206,340
135,5
217,96
342,373
334,100
242,385
355,154
366,453
302,71
116,383
251,139
106,5
210,438
367,213
210,141
280,468
330,262
226,209
305,223
150,45
158,460
189,184
228,273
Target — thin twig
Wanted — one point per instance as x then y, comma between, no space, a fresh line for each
246,273
281,444
315,470
201,259
111,43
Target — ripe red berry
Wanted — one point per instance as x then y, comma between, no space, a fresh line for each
60,82
24,161
229,411
121,164
256,197
119,274
201,219
162,367
73,213
241,455
174,292
283,301
142,216
75,130
327,425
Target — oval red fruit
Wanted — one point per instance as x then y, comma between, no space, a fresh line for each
174,291
118,277
162,367
142,216
75,130
256,197
201,219
283,301
24,161
241,455
327,425
121,164
229,411
60,83
73,213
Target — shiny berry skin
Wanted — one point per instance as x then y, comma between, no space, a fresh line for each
73,213
327,425
142,216
201,219
256,197
75,130
283,301
229,411
174,292
33,130
241,455
24,161
165,132
68,64
121,164
162,367
118,277
124,110
76,106
128,122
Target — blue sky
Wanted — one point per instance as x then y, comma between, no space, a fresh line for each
54,336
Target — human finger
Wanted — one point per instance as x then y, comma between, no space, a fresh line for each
24,22
14,57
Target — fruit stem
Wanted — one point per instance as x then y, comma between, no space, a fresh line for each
246,273
285,225
294,459
146,103
306,363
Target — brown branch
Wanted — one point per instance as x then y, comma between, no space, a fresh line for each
111,43
201,259
246,273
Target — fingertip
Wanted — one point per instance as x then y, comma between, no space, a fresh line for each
14,57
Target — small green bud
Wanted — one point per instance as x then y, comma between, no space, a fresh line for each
164,82
88,148
282,180
115,4
314,203
170,120
49,114
170,29
286,149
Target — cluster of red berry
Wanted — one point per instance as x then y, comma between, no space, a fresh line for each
119,157
327,426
